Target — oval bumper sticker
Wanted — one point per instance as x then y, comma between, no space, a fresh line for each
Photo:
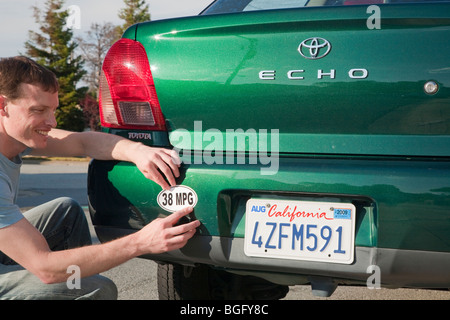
178,197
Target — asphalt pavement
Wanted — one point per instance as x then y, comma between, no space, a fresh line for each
43,181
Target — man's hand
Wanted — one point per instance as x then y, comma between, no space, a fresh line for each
163,235
154,161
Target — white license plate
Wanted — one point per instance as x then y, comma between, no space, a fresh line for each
300,230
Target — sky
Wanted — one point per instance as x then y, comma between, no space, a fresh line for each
16,17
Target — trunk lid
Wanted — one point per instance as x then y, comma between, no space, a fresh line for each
231,76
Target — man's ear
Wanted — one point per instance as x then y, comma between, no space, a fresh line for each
3,102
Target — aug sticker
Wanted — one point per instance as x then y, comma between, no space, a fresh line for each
178,197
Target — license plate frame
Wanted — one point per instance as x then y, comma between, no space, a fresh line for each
318,231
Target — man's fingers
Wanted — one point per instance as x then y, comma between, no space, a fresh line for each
180,234
169,168
166,162
177,215
168,172
161,166
168,159
153,174
175,158
180,241
162,235
181,229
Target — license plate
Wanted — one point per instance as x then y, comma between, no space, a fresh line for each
300,230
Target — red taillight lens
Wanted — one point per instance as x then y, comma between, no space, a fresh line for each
127,94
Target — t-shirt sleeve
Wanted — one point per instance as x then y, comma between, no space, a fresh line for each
9,212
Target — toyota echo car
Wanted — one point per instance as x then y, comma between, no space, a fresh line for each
315,140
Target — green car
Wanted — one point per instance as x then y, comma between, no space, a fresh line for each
315,140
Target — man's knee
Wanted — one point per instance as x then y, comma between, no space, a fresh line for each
68,205
98,288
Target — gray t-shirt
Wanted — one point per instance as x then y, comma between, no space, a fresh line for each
9,189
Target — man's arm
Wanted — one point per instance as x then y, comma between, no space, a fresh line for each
105,146
24,244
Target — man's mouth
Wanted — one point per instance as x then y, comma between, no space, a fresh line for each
42,132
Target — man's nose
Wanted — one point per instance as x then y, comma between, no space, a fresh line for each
51,120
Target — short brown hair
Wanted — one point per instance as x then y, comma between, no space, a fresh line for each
17,70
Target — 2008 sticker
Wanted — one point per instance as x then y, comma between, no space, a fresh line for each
176,198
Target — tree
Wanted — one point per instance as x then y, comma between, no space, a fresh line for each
55,49
93,48
90,112
134,12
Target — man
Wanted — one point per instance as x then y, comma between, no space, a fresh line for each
38,249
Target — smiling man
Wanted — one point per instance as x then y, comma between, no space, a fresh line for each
38,246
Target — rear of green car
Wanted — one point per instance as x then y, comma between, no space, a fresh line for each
315,144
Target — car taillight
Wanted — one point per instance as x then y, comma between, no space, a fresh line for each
127,94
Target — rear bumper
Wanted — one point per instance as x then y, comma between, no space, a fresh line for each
397,268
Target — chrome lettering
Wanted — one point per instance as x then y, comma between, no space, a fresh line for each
299,74
358,73
139,135
290,74
331,74
267,75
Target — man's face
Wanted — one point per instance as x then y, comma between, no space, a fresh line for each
26,121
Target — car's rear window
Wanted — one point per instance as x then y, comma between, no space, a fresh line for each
230,6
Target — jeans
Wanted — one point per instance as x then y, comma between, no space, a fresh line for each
64,225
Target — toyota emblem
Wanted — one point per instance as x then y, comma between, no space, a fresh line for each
314,48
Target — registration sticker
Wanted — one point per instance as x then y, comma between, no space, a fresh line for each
300,230
342,213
